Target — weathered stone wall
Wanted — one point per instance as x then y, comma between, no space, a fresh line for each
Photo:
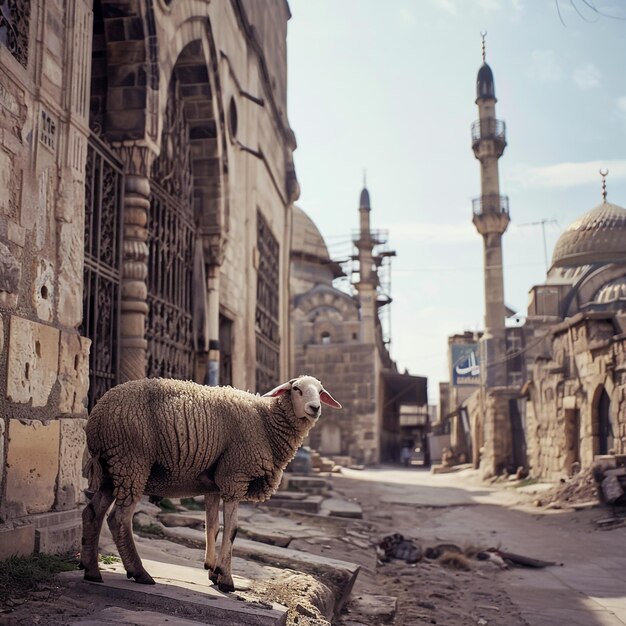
349,372
43,359
562,407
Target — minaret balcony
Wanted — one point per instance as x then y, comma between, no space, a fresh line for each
491,213
490,133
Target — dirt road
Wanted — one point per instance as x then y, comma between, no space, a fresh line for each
586,588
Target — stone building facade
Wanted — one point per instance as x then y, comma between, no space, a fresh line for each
146,158
575,347
551,393
341,343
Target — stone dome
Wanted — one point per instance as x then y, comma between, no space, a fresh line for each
599,236
485,87
306,239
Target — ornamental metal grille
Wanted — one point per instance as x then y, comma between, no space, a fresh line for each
14,25
169,328
104,189
267,303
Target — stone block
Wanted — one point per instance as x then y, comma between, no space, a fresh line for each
10,273
60,538
18,541
43,290
33,361
71,485
32,466
70,300
73,373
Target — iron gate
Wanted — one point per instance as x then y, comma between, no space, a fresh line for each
267,303
104,189
171,234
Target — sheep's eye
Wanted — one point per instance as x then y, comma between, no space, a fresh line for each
297,389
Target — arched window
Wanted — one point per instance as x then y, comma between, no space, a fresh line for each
325,336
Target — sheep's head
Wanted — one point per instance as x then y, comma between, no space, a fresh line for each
307,396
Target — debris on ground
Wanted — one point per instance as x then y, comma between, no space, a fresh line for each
579,488
395,546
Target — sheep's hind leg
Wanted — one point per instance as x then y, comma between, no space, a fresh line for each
120,523
212,509
223,569
93,516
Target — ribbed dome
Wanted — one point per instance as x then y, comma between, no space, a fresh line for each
485,87
599,236
615,291
364,200
306,239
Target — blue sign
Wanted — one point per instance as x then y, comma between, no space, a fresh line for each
465,364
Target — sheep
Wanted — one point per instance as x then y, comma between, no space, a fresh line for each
173,438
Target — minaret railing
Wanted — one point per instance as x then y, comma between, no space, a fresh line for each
490,203
488,128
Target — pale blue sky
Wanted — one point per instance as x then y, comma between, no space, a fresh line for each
390,87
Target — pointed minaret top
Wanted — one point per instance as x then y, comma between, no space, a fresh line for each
485,87
604,173
364,200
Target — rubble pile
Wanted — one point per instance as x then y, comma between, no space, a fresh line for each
579,488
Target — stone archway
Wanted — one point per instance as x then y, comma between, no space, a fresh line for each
185,181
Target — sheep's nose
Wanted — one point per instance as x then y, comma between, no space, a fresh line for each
314,407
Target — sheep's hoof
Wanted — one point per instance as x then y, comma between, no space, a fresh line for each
142,577
227,587
213,576
93,579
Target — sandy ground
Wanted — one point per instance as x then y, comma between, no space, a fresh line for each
429,510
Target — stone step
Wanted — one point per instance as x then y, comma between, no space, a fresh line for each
59,538
341,508
315,485
180,592
338,575
117,615
308,504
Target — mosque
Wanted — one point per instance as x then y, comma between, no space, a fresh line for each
337,336
549,395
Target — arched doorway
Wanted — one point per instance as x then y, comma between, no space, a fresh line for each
602,420
330,439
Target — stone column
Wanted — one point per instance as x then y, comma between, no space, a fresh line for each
134,306
214,255
213,296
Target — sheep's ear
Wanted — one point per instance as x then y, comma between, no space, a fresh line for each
280,390
326,398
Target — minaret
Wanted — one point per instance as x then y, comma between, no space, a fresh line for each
491,218
368,277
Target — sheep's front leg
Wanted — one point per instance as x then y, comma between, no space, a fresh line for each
223,568
93,516
120,523
212,529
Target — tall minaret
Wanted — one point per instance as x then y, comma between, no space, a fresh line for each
368,277
491,218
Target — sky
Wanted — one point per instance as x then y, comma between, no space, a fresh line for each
390,88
